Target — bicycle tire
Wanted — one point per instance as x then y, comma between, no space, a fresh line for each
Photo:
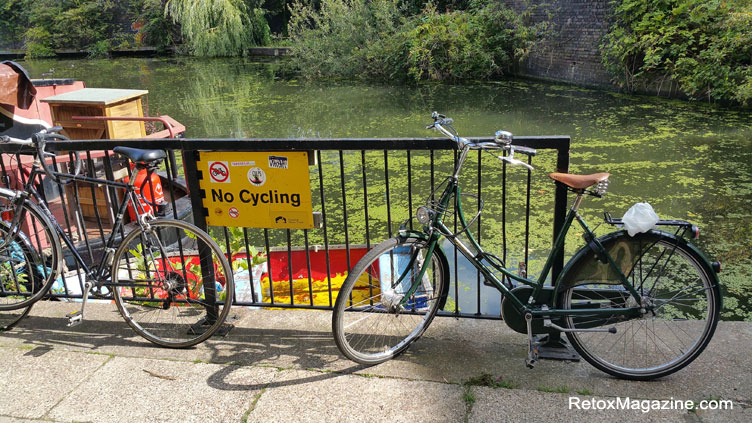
9,319
672,277
368,328
159,284
30,262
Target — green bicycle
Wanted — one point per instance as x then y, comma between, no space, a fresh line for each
637,307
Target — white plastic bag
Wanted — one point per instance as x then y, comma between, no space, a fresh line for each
639,218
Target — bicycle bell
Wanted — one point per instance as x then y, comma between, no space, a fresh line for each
503,137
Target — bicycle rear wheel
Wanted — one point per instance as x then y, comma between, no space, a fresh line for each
30,255
172,283
677,287
369,324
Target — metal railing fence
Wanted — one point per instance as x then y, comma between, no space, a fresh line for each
363,188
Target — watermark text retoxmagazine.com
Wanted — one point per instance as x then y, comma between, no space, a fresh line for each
646,405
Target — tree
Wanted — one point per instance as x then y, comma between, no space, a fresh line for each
219,27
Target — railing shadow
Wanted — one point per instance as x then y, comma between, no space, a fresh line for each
243,347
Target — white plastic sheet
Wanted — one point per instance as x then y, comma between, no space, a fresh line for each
639,218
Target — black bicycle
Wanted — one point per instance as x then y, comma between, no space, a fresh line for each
169,279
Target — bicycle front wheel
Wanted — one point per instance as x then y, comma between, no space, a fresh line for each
9,319
679,293
172,283
29,255
372,322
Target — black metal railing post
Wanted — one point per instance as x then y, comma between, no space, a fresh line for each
560,205
552,345
192,177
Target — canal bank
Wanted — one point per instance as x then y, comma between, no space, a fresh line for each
284,366
137,52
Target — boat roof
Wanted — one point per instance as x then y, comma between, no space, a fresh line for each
101,96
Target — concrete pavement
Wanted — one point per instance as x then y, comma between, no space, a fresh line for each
283,366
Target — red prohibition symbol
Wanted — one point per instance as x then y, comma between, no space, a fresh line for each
233,212
219,172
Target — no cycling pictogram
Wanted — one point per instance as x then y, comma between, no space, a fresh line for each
233,212
219,172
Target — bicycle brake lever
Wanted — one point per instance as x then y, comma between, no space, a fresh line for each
516,162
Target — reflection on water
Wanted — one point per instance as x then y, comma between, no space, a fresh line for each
690,161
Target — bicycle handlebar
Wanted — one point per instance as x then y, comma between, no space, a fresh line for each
525,150
503,141
39,140
7,139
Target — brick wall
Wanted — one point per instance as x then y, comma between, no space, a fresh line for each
572,53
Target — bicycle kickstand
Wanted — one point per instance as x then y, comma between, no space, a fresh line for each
532,352
75,318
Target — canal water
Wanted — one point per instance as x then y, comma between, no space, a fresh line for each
691,161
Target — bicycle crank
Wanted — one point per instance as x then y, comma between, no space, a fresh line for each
532,352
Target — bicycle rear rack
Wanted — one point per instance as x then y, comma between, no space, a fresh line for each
680,224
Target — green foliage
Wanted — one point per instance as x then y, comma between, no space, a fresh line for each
159,31
341,37
469,397
559,389
219,27
99,49
476,44
38,41
703,45
415,7
486,379
13,18
235,238
359,38
43,26
83,23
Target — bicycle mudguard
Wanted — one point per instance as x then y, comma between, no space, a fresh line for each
409,233
610,241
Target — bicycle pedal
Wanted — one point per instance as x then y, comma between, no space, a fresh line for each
532,357
75,318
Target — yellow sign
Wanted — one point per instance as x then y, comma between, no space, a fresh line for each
256,190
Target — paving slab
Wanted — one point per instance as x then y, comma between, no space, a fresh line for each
737,414
455,350
149,390
6,419
32,381
517,405
268,337
304,396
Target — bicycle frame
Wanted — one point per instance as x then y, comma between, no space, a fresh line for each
436,229
96,273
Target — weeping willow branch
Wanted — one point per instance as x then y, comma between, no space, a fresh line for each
219,27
